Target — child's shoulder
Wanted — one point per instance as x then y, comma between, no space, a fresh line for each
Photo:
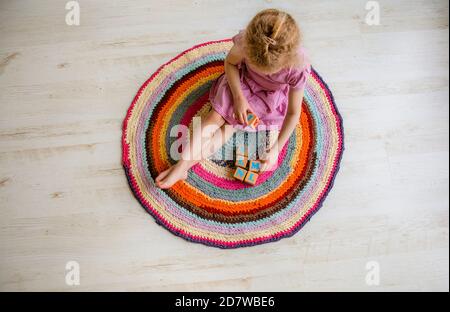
299,70
238,37
301,61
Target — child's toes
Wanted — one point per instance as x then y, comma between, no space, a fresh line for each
165,184
162,183
162,175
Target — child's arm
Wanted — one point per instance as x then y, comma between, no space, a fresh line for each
240,103
233,58
292,116
290,122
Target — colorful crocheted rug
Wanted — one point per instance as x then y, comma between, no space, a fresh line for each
210,207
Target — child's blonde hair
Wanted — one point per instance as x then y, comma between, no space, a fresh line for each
271,40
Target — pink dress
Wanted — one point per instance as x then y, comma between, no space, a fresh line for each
267,94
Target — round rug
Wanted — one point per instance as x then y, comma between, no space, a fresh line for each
210,207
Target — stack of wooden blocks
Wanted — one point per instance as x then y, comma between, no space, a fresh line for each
246,170
243,173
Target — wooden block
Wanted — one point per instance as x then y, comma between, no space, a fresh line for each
240,173
252,120
254,166
241,161
251,177
255,123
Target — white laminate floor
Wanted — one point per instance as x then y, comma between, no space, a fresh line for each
64,91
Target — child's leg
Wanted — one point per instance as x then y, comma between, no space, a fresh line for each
214,133
216,141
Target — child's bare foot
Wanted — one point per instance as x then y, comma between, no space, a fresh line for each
169,177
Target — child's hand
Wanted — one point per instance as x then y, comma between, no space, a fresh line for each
269,160
241,108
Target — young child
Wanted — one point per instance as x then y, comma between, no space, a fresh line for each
265,73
